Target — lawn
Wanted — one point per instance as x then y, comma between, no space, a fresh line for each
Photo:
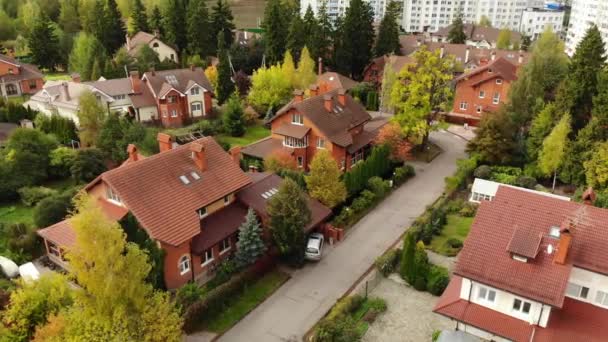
15,212
242,304
57,76
457,227
253,133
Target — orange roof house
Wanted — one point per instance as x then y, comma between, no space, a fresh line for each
18,78
533,268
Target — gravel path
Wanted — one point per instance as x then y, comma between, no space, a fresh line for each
441,260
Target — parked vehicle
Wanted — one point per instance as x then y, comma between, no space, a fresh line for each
314,247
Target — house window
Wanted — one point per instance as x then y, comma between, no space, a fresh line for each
496,98
297,119
342,164
11,89
10,71
226,200
487,295
577,291
202,212
164,113
171,99
53,249
184,264
482,94
601,298
357,157
521,306
173,113
225,245
499,81
195,106
33,85
207,257
119,97
320,143
478,109
112,196
464,106
155,45
295,142
194,91
300,161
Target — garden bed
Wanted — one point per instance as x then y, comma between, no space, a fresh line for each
457,227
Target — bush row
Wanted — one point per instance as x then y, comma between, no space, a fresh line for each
387,262
506,175
416,269
377,165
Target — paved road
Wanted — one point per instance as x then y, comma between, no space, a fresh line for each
291,311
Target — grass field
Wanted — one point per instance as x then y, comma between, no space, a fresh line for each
253,133
16,213
457,227
57,76
246,12
242,304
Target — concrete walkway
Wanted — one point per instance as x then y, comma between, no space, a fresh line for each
293,309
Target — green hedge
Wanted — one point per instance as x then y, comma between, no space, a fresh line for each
387,262
378,164
438,280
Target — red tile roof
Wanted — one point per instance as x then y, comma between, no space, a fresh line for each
167,208
296,131
264,147
575,321
336,81
524,243
500,68
218,226
485,257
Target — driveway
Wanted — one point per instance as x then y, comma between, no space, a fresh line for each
293,309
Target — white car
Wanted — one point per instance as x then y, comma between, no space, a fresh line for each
314,247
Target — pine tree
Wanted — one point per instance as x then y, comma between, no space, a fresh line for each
275,31
222,21
494,141
296,37
44,44
155,22
250,245
174,24
199,27
357,35
234,121
139,17
323,181
289,216
95,70
321,46
225,87
311,25
456,34
113,30
305,73
422,267
388,33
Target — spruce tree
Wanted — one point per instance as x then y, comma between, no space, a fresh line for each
174,24
234,121
222,21
225,87
155,22
199,28
139,19
250,245
296,37
323,34
456,34
357,35
44,44
388,33
69,19
275,31
310,26
114,30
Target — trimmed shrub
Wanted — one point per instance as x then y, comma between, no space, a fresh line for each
454,206
52,209
403,173
88,164
62,159
361,203
31,195
454,243
377,304
188,295
468,210
465,170
526,182
483,172
208,127
438,280
421,267
345,306
338,330
378,186
387,262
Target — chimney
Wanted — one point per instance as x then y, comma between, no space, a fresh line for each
132,150
135,82
520,60
165,142
235,153
298,96
589,196
75,77
192,67
320,66
342,96
64,92
198,154
493,55
565,239
327,101
442,51
128,40
152,71
314,90
467,54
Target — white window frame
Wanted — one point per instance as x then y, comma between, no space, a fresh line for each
226,200
297,119
522,304
54,249
499,81
184,264
225,245
300,161
202,212
112,196
171,99
576,291
320,143
464,105
295,142
173,113
601,298
195,106
483,295
482,94
207,257
496,98
194,91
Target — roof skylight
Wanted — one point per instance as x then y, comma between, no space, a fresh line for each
184,180
195,175
171,79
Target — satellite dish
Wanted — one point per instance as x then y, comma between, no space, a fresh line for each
550,249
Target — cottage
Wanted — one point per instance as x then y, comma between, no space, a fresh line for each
164,51
18,78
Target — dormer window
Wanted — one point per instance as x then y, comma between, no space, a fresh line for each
202,212
519,258
194,91
297,119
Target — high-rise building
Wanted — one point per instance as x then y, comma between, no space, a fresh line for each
583,14
535,20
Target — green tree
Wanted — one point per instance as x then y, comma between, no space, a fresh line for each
311,25
289,215
456,34
250,245
551,157
504,39
275,31
484,21
323,181
389,76
139,17
222,21
422,266
174,23
540,128
422,89
199,27
321,45
494,140
87,164
52,209
44,44
146,58
234,121
296,36
269,88
116,134
155,22
526,41
225,86
113,28
357,34
596,168
87,50
388,33
288,68
581,150
68,16
305,73
90,116
408,262
8,30
27,152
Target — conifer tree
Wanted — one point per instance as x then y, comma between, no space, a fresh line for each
456,34
222,21
174,24
296,37
69,19
275,31
198,29
305,72
225,87
310,26
250,245
139,19
288,68
504,39
113,28
44,44
408,254
321,45
388,33
541,127
234,122
155,22
357,34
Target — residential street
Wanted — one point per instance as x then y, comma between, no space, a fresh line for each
310,293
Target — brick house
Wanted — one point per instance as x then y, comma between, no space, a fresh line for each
184,197
18,78
330,80
484,89
533,268
374,71
333,121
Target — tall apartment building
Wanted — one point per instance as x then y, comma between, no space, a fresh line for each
583,14
535,20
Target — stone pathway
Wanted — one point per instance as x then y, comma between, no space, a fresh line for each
441,260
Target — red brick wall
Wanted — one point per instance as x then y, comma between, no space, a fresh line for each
25,86
5,66
173,278
373,74
181,106
466,92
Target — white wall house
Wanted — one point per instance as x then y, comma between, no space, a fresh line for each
164,51
583,14
485,190
535,20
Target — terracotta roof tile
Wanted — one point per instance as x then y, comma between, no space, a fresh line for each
296,131
264,147
218,226
180,79
524,242
61,233
575,321
336,81
500,68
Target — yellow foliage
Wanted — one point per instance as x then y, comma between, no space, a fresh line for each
323,181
